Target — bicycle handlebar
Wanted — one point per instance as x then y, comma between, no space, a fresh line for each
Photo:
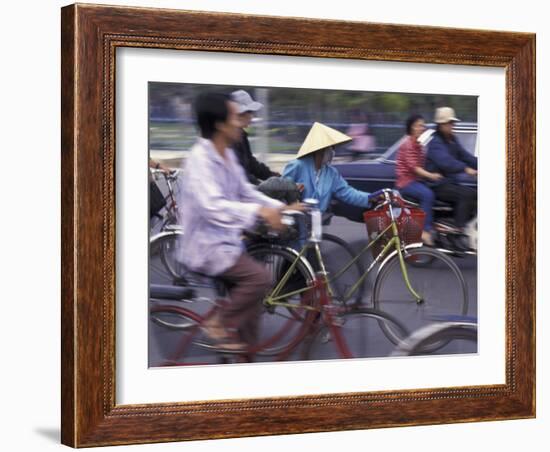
389,195
172,175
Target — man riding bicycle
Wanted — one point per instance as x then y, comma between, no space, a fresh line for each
217,203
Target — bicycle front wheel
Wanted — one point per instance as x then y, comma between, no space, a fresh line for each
440,285
354,334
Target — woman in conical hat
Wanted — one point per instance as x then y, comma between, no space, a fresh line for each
312,169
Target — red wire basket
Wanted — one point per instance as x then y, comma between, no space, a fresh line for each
410,222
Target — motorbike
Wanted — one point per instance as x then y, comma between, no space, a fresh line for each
447,237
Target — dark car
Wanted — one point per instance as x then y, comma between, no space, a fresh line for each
378,173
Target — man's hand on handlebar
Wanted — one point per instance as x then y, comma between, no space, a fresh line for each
298,206
272,217
470,171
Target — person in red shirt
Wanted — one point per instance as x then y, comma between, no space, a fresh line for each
410,172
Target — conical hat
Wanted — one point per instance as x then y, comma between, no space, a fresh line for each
320,137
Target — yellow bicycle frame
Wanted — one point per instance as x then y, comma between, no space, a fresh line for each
274,299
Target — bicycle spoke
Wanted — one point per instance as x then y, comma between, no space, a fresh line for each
440,285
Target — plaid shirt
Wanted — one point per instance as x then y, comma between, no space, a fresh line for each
410,155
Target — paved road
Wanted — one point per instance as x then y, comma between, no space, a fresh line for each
364,335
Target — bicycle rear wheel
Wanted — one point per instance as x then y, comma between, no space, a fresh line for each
176,338
441,286
355,334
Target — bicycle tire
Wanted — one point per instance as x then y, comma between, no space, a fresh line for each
358,336
181,337
444,291
185,324
425,338
341,284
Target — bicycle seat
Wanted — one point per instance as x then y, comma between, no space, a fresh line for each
170,292
195,278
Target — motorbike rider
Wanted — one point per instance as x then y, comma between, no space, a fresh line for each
411,175
445,155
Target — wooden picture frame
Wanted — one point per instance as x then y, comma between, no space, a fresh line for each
90,36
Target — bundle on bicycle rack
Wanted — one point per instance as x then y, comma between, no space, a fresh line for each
262,232
410,221
280,188
285,191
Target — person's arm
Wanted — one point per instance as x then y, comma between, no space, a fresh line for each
344,192
465,156
409,158
442,159
421,172
214,205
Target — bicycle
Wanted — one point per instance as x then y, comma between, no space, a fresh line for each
401,288
320,316
170,218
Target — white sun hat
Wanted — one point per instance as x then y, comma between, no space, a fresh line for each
444,115
321,137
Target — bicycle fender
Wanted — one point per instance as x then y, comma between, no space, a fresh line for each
165,234
394,253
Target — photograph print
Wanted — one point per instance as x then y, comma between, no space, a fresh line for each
295,224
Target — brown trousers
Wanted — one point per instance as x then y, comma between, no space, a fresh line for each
248,282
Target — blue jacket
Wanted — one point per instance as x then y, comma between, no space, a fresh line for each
330,183
448,158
